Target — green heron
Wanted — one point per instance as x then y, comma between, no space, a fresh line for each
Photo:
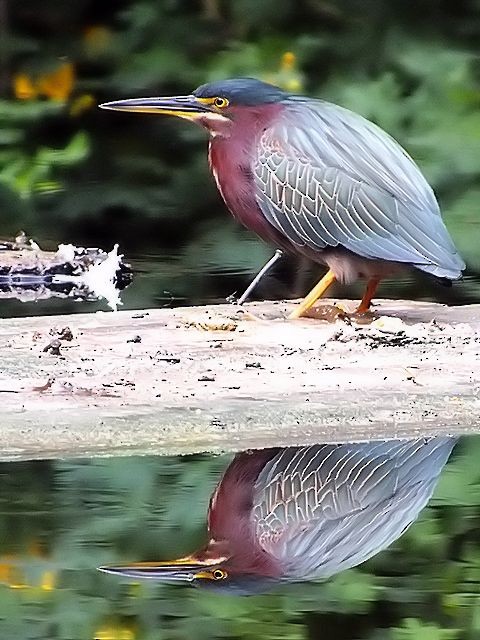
301,513
316,180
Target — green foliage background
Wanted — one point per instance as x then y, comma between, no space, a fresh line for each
69,171
64,518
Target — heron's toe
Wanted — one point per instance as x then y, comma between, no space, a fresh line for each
326,312
362,317
334,312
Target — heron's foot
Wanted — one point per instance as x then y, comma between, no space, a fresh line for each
334,312
362,317
326,312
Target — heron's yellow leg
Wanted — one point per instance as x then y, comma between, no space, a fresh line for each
364,305
317,291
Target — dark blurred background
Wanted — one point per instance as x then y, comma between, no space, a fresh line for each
72,173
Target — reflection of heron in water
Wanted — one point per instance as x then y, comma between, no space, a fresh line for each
303,513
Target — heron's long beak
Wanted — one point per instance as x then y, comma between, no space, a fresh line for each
182,570
188,107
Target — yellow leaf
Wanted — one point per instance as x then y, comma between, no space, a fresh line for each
114,633
58,84
96,39
10,574
81,104
48,581
23,87
288,61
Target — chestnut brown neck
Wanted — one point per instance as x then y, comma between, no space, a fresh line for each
230,518
232,158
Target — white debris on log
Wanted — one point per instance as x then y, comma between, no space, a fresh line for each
99,277
29,273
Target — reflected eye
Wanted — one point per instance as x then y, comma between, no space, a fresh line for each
220,103
219,574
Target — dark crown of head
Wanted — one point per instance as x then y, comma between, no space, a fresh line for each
241,91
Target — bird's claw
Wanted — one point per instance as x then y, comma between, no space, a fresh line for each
327,312
334,312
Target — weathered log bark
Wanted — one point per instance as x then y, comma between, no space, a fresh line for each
215,378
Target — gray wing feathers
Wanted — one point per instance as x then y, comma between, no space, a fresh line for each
327,177
325,508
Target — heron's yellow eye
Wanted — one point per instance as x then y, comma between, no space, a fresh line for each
219,574
220,103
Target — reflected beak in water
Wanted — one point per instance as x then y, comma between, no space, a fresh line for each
185,569
188,107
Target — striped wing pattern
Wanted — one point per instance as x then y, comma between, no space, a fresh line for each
322,509
327,177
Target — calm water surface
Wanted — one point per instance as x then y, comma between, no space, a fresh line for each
59,520
210,273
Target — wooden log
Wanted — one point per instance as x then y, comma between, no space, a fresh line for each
226,378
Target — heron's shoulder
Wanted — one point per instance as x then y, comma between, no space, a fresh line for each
318,112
